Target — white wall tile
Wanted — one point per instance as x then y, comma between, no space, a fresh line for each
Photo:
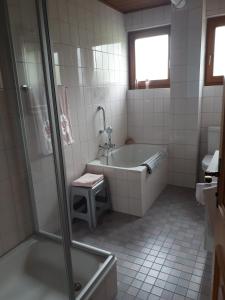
148,18
98,75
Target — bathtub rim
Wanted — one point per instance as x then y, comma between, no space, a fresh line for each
97,162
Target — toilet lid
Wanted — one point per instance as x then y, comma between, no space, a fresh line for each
206,161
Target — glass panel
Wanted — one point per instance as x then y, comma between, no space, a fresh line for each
151,58
38,134
45,269
219,50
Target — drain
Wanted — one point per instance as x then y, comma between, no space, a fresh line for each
77,286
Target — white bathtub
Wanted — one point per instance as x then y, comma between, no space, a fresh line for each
133,190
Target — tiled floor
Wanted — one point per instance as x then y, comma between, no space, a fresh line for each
161,255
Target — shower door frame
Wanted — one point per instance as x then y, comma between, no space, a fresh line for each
53,112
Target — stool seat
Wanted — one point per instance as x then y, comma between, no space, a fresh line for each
89,202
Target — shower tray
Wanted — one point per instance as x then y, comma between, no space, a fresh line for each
35,270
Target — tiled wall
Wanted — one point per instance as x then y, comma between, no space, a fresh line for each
211,95
89,39
148,18
148,115
148,110
89,45
133,191
26,43
211,113
15,212
186,88
187,66
215,7
172,115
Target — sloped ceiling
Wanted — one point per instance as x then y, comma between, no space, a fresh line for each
126,6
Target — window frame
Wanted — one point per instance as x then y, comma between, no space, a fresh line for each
212,24
134,35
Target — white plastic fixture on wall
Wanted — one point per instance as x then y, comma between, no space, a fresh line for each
178,3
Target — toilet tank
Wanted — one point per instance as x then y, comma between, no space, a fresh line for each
213,139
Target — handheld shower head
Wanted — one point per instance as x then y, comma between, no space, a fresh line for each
109,129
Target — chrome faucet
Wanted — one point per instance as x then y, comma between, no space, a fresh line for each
108,146
109,134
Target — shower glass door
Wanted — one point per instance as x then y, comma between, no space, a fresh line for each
43,148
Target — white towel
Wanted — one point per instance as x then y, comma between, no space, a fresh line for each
88,180
39,123
44,132
38,108
154,161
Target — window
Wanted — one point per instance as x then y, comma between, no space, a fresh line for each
149,58
215,51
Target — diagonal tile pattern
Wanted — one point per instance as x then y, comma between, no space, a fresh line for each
160,256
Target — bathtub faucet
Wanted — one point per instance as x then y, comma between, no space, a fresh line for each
109,134
108,146
105,149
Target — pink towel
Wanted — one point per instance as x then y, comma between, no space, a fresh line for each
64,115
88,180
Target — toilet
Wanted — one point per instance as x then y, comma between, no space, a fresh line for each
213,145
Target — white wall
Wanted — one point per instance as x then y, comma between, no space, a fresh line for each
15,210
148,110
148,18
148,115
26,43
91,43
187,49
211,95
187,118
215,7
211,113
178,125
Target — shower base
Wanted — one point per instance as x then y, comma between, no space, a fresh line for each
35,270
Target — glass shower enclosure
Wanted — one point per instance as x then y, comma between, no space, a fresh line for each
25,22
49,265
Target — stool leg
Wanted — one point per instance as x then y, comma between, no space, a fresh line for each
93,208
71,205
108,195
89,212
